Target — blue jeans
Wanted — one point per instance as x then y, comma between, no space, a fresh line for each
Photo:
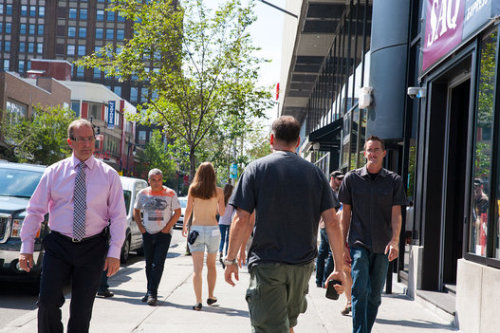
324,253
155,252
368,271
224,236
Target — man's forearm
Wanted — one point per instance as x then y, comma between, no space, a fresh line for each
335,238
396,223
240,230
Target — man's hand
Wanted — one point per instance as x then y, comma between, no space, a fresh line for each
393,249
141,228
339,276
230,270
26,261
112,265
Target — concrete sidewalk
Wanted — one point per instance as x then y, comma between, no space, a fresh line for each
126,313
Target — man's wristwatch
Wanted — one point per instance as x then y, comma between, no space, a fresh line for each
228,262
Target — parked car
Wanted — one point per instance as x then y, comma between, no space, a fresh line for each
17,184
133,238
180,221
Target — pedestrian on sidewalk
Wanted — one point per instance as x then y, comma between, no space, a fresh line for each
160,211
225,222
80,194
289,195
205,200
324,261
372,198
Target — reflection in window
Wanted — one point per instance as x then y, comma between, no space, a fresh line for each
482,149
141,138
16,111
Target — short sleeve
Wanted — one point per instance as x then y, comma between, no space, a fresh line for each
175,202
244,195
399,196
138,201
345,190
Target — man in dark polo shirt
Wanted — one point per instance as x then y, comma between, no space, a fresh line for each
372,198
289,195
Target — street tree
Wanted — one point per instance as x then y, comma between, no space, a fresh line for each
155,155
197,65
41,138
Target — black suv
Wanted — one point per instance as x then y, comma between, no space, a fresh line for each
17,184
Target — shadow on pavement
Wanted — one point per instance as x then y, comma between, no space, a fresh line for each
419,324
212,309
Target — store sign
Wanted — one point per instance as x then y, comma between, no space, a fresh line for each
450,22
233,171
111,114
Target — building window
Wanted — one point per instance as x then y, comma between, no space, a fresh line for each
22,29
83,14
39,48
120,34
80,71
118,90
40,29
81,50
8,10
82,32
99,33
120,18
71,31
1,26
6,47
109,33
32,29
144,95
22,47
482,224
72,13
71,49
141,137
97,73
110,16
100,15
8,28
95,111
6,64
24,10
16,111
31,47
41,11
33,11
133,94
21,66
75,106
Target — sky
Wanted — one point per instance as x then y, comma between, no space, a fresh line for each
267,33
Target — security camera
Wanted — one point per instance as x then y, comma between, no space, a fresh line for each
417,92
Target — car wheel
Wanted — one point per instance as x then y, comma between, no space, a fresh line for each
125,251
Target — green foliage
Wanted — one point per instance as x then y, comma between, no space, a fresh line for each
40,139
155,155
204,68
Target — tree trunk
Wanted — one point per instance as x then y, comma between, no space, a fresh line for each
192,163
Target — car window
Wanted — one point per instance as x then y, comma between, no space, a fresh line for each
183,202
19,183
126,196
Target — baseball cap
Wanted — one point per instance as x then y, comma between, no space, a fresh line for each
337,174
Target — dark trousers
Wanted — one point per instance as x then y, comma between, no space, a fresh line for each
324,253
155,252
66,262
103,286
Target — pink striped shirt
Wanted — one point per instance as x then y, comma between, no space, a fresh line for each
54,195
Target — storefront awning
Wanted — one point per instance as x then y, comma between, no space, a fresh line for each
328,136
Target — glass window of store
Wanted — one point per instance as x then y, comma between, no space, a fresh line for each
480,218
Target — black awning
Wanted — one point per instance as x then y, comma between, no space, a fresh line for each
328,136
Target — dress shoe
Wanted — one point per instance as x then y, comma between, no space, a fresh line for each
105,293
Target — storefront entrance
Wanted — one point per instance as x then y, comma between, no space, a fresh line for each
446,199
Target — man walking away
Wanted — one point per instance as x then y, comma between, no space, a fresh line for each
372,198
81,194
289,195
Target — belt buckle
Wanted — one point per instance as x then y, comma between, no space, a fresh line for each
74,240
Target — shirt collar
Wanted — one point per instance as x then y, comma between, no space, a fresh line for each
365,173
89,162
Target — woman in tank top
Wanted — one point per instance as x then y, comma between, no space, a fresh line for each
205,200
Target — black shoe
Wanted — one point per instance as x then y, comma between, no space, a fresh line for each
144,299
151,300
106,293
197,307
211,301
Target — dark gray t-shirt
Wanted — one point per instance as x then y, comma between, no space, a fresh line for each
288,194
371,202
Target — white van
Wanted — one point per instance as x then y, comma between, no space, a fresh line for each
133,239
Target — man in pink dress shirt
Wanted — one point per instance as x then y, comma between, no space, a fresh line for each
67,259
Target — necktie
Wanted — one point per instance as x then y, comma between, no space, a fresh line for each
80,203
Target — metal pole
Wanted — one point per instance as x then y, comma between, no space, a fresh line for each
278,8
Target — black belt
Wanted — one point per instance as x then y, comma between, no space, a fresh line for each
74,240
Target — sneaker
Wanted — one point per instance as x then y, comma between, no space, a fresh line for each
346,310
105,293
144,299
151,300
